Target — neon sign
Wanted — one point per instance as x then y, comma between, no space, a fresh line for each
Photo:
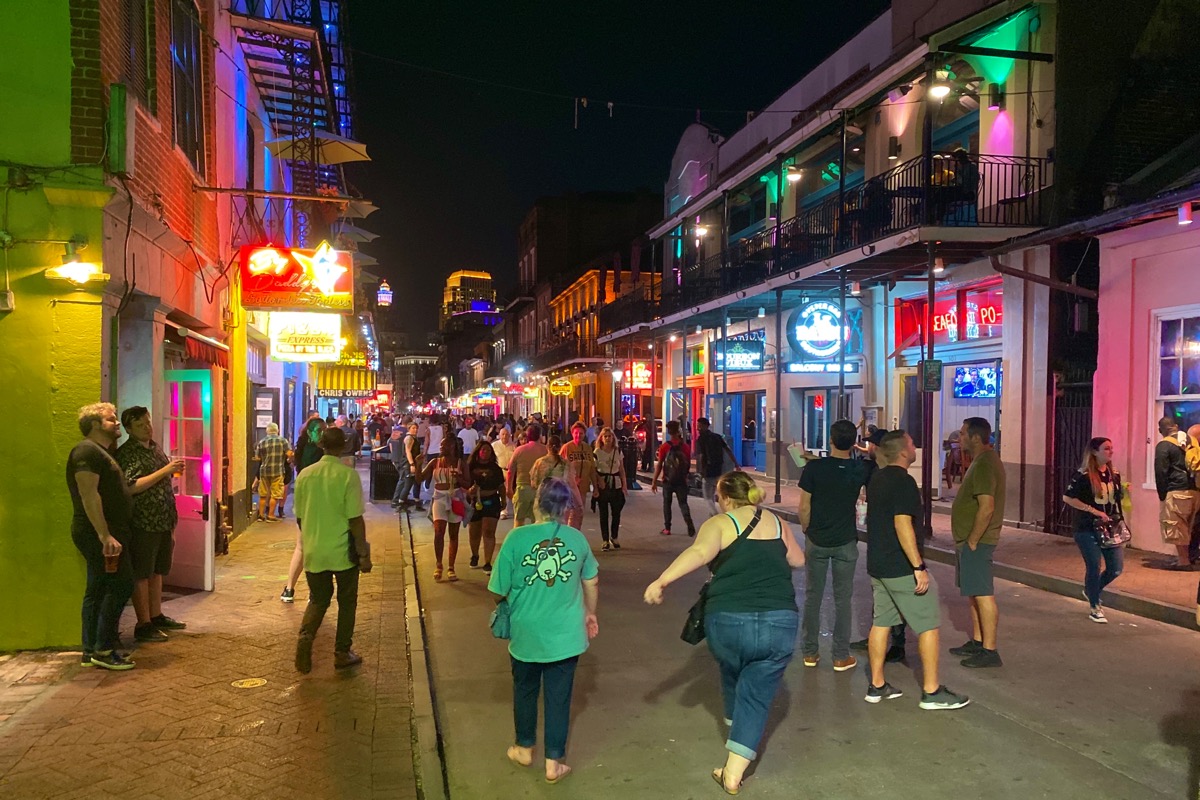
806,367
738,355
817,329
561,387
639,376
282,279
297,336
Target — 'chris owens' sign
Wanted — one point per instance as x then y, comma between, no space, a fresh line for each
737,356
818,331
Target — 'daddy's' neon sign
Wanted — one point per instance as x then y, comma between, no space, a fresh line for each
283,279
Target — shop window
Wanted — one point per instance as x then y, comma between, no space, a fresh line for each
1179,368
186,78
963,316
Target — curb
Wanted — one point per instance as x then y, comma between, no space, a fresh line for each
428,754
1158,610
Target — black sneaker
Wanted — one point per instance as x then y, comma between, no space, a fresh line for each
474,562
304,647
85,660
861,644
876,694
165,623
606,547
111,660
692,533
146,632
287,595
616,545
895,653
943,700
487,569
982,659
971,647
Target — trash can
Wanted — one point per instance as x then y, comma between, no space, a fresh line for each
384,477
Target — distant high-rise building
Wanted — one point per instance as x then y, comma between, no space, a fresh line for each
467,292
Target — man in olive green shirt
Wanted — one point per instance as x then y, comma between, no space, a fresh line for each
328,503
975,520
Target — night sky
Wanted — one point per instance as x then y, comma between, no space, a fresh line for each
457,163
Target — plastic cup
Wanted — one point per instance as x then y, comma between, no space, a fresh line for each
112,563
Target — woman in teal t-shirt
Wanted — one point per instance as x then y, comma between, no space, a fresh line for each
548,574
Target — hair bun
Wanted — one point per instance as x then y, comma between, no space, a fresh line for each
755,495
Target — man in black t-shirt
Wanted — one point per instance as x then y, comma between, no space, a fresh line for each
829,491
710,460
100,528
903,589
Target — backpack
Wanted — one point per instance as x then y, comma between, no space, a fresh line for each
675,466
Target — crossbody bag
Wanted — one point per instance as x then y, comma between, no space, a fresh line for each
693,627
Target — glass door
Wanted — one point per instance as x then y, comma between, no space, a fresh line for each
190,437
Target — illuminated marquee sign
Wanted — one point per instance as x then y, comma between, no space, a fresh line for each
805,367
561,387
347,394
304,337
745,355
281,279
352,358
639,376
818,331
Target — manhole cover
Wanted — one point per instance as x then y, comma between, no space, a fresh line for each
249,683
285,545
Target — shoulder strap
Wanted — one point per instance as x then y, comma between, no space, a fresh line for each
724,555
736,526
778,527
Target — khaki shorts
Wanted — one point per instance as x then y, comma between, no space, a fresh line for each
1176,514
526,495
896,601
271,488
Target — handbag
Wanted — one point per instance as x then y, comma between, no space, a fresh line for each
693,626
1114,533
501,621
458,505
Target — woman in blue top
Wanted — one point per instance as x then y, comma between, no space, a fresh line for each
750,618
549,576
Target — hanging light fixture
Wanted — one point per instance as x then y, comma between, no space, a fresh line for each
701,231
699,329
762,312
383,297
794,173
939,266
855,288
1185,213
941,86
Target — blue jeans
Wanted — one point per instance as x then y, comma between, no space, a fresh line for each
1113,558
106,593
557,679
403,484
752,649
819,560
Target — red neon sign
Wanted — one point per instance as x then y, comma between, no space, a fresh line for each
283,279
639,376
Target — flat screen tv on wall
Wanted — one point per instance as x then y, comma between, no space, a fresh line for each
981,382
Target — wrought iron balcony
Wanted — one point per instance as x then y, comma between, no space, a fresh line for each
948,190
565,352
637,307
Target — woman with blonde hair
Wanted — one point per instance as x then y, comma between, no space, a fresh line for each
750,615
449,475
553,465
610,486
1095,493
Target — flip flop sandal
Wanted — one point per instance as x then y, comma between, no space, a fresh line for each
437,574
515,760
718,775
565,772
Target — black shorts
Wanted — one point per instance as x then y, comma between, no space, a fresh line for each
491,508
151,553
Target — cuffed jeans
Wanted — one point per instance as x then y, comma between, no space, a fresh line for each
320,594
105,594
556,680
1113,559
404,483
818,562
753,650
611,501
681,493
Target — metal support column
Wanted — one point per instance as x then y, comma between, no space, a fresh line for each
778,389
725,404
841,404
927,452
686,370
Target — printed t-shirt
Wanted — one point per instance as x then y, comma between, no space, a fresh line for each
834,484
984,476
87,456
154,509
892,492
328,495
540,569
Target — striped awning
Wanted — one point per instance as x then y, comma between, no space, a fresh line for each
353,382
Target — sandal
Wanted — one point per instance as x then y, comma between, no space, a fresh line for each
718,775
450,575
437,573
512,756
564,771
606,547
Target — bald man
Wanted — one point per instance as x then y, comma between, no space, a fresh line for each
271,454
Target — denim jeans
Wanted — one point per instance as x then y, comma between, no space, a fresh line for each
710,493
556,679
681,493
611,501
1113,559
105,594
403,483
819,559
320,594
752,649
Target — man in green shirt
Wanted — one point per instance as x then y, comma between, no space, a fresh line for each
329,510
975,520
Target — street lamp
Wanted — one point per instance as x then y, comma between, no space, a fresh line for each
617,374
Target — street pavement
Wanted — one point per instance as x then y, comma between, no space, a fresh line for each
1079,710
176,726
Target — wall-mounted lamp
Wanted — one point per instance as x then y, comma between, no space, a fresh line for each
939,266
762,312
794,173
74,270
897,94
996,100
941,86
1185,213
701,231
618,374
855,289
893,148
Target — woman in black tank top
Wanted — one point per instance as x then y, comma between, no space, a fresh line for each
750,618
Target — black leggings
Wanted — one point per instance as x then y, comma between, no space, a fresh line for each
611,499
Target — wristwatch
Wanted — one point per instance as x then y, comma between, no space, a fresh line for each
920,567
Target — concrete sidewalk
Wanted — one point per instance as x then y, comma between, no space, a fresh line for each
1048,562
646,719
177,726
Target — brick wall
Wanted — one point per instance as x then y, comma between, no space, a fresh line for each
87,95
163,178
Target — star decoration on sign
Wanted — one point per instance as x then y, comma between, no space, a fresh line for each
321,268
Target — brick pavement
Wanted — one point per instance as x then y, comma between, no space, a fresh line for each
175,727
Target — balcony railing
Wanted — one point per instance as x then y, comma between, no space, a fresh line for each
634,308
566,351
948,190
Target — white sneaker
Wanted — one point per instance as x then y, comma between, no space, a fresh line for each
1097,615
